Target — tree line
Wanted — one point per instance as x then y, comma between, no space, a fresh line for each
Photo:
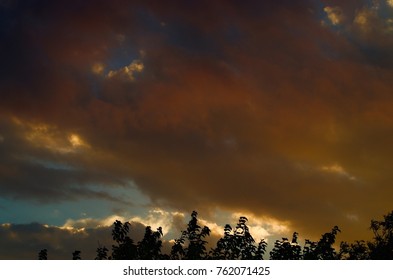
238,244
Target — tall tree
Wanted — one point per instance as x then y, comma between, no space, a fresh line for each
238,244
102,253
149,248
323,249
382,245
125,248
192,244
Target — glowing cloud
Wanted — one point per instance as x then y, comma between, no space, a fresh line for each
127,72
83,223
363,19
262,228
158,218
76,141
339,170
50,137
335,14
98,68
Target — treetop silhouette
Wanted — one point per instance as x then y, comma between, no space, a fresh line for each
238,244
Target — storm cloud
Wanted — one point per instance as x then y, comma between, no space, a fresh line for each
279,109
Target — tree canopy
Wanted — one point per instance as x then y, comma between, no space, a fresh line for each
238,244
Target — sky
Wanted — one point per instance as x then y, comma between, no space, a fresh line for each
143,111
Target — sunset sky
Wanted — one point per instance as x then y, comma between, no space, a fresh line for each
281,111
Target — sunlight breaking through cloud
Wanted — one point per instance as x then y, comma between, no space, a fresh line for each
127,72
335,14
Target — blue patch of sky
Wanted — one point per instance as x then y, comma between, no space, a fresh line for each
119,58
148,21
129,50
22,212
192,40
122,56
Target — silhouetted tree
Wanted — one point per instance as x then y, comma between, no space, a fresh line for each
381,248
323,249
192,244
102,253
355,251
285,250
125,248
43,254
149,248
76,255
238,244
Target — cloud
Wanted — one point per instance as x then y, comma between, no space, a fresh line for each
364,19
337,169
127,72
335,14
98,68
24,241
40,162
244,115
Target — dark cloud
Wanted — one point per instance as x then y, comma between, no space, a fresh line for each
267,107
36,164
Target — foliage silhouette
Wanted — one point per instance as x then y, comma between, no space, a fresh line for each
43,254
149,248
125,248
76,255
359,250
102,253
192,244
285,250
323,249
238,244
382,246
